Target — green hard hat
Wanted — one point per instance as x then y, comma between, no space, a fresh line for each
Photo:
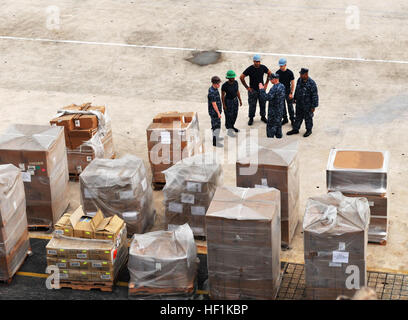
231,74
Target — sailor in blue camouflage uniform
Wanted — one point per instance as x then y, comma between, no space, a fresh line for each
215,110
306,99
276,98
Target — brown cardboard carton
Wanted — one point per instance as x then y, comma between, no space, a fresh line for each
275,164
109,228
85,107
243,243
64,227
11,261
335,237
85,226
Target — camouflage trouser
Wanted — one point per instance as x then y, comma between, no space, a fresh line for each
215,124
289,103
303,112
253,97
274,124
231,112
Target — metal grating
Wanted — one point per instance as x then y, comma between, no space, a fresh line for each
387,285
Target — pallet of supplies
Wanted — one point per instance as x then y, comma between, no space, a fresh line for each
14,240
335,245
264,163
244,243
358,173
39,152
190,187
119,187
88,134
163,263
171,136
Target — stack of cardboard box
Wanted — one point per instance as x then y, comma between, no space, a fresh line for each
88,134
39,152
119,187
335,242
163,262
363,174
14,241
172,136
190,187
244,243
264,163
90,249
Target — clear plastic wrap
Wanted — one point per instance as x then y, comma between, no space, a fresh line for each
190,187
263,163
163,263
335,241
244,243
171,137
357,171
119,187
39,152
13,221
90,260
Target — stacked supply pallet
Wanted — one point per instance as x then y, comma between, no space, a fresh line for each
88,134
39,152
190,187
88,250
163,263
363,174
171,137
119,187
14,241
335,241
244,243
264,163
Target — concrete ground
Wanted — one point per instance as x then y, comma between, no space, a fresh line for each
100,58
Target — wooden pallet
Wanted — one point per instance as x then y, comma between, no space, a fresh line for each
380,242
105,286
74,177
37,225
148,291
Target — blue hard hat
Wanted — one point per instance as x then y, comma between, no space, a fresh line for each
257,57
282,61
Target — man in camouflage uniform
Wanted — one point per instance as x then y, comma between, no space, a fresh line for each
215,110
276,98
306,99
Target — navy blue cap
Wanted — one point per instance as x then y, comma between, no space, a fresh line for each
303,71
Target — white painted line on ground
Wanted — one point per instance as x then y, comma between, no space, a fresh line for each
117,44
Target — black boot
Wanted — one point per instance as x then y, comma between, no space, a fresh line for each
263,119
235,129
216,143
292,122
251,121
285,121
293,131
307,133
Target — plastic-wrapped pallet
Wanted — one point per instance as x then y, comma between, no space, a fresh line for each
244,243
14,241
190,187
358,173
172,136
39,152
119,187
88,134
263,163
163,263
335,242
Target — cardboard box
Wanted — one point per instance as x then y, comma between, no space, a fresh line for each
243,243
39,152
335,237
273,163
119,187
357,171
12,261
164,136
80,225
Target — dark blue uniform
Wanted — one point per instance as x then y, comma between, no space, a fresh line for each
214,96
276,98
307,98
